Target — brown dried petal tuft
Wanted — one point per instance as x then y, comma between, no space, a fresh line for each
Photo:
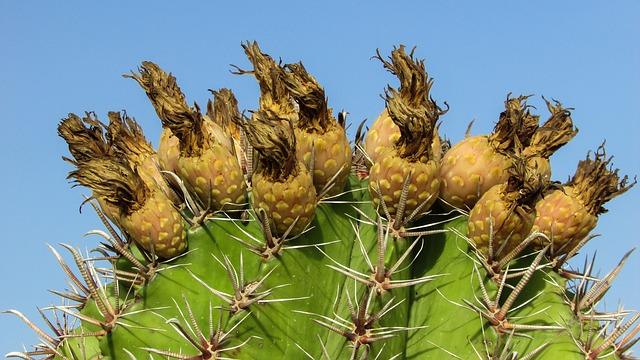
554,133
223,110
596,182
274,97
87,137
113,181
275,142
525,184
411,107
314,113
185,122
128,139
515,127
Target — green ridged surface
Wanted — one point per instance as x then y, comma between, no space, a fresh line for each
279,330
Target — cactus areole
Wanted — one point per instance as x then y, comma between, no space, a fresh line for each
271,236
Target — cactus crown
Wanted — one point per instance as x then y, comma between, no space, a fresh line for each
411,107
515,125
361,282
554,133
87,137
128,139
596,182
314,113
185,122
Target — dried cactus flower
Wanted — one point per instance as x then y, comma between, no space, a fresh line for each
130,144
282,185
384,133
567,215
413,155
321,143
143,210
88,139
207,162
556,132
477,163
223,111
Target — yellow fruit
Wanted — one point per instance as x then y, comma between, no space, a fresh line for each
146,213
214,175
563,218
168,151
318,131
417,149
469,169
511,225
157,227
282,185
287,200
207,160
567,215
478,163
390,171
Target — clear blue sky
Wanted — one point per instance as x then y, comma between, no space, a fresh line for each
67,56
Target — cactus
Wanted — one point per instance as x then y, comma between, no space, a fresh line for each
239,238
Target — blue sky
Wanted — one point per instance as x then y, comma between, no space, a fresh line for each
60,57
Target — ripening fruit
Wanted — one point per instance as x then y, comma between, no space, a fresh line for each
469,169
207,162
168,151
126,182
384,133
88,140
146,213
413,154
319,137
282,186
477,163
505,213
556,132
285,200
381,136
214,122
567,215
157,227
